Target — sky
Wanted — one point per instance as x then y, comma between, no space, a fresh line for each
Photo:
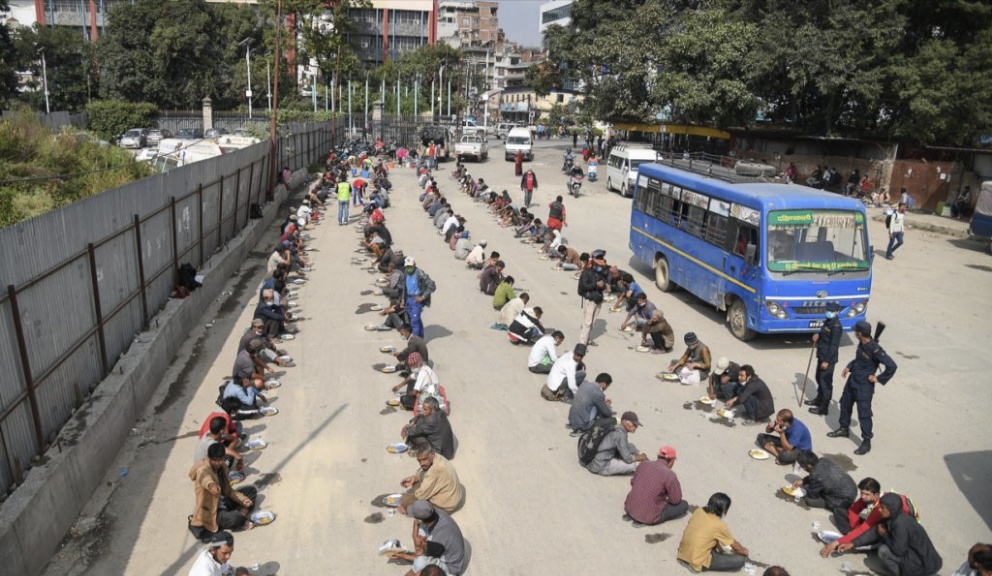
520,20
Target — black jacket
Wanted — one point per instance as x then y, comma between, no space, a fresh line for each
587,285
828,345
829,482
910,542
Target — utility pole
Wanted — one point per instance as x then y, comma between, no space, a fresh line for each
273,143
247,44
44,79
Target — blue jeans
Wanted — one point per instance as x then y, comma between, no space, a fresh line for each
414,308
894,243
342,211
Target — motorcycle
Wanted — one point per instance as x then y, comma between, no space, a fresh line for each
592,173
575,184
567,166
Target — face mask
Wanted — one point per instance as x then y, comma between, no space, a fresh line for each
409,270
598,268
831,315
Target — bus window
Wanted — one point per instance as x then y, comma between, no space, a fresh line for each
694,216
746,236
716,229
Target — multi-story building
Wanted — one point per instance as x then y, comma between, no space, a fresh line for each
391,28
88,16
556,12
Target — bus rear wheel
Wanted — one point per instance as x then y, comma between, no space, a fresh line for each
737,318
661,276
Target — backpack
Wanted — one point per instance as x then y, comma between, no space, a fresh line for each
589,443
888,221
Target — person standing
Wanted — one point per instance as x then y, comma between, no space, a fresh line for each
827,343
518,163
655,492
344,195
528,183
592,283
416,289
556,214
896,223
860,386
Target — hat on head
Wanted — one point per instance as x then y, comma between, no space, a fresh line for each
257,322
667,452
690,338
483,243
409,261
598,254
255,345
421,510
863,327
580,349
631,417
833,307
722,364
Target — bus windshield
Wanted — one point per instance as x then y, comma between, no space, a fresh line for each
817,241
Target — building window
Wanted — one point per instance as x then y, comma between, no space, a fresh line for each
556,14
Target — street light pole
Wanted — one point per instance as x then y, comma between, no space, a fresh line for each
44,80
247,44
268,84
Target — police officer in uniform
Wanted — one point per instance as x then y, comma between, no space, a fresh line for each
860,386
827,345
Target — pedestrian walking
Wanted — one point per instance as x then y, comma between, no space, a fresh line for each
416,289
860,386
896,223
518,163
528,183
827,342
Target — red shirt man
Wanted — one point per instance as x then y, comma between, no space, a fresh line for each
655,494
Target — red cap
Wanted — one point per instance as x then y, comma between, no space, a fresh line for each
667,452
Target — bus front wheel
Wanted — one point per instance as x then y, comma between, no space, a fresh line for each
661,276
737,318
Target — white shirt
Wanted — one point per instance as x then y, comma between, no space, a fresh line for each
555,242
510,311
898,222
451,221
563,369
427,385
476,256
543,348
205,565
303,212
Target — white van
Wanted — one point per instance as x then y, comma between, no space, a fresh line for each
519,139
621,166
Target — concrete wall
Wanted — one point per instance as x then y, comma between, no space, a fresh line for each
38,515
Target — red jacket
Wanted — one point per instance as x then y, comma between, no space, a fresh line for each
859,526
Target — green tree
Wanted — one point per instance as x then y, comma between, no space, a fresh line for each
8,63
68,61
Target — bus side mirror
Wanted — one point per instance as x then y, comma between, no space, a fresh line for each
750,254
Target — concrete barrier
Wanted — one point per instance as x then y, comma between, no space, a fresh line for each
40,512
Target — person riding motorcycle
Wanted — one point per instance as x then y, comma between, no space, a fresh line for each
569,160
592,165
575,180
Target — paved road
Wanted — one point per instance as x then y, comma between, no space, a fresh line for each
530,508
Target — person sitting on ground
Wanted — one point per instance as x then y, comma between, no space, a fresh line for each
452,236
269,353
435,481
246,365
511,309
217,434
543,354
627,292
723,383
754,396
978,563
476,256
462,246
494,257
437,541
414,343
421,385
504,293
273,316
432,426
442,215
279,257
218,505
640,312
655,492
565,376
785,437
659,330
213,561
570,259
591,404
232,429
241,398
694,365
827,485
526,326
861,518
906,549
491,278
395,315
706,537
775,571
962,204
615,456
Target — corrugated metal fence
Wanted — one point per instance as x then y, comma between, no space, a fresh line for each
82,281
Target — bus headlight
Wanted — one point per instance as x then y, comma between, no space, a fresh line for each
857,309
776,310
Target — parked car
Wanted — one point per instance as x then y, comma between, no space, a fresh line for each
156,135
146,154
503,128
472,145
214,133
189,134
134,138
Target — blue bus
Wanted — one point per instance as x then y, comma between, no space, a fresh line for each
771,255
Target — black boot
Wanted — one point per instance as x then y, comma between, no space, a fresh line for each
839,433
864,448
813,402
819,410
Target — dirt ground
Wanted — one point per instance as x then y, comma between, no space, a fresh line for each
530,508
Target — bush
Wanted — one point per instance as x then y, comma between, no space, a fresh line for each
110,118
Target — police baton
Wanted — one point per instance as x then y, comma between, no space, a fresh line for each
802,388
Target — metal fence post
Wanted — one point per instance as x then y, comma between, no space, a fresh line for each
141,271
175,243
220,213
237,198
199,198
97,309
22,347
251,179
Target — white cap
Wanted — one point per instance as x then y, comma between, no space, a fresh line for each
483,243
409,261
